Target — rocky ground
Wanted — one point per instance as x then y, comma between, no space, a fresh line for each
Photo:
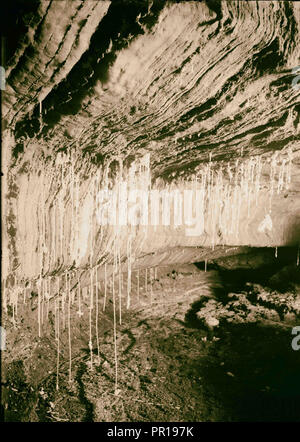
176,360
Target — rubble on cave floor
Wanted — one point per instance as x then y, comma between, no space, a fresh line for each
242,369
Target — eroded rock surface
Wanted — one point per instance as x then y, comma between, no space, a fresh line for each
171,96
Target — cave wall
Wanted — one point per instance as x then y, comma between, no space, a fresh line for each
205,88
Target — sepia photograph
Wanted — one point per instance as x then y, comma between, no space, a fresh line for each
150,214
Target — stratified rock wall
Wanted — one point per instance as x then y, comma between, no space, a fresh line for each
207,89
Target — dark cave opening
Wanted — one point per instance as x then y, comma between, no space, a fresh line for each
260,265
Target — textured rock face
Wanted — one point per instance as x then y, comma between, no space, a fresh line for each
198,101
188,82
179,79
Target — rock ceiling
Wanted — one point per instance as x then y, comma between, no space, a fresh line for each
179,79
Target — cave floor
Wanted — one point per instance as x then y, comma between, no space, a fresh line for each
166,371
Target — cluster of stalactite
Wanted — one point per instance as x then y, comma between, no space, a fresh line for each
64,293
60,233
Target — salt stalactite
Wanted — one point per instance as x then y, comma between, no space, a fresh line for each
48,296
54,234
237,230
128,271
39,304
120,285
105,286
55,321
289,168
205,265
4,294
272,178
91,228
257,179
214,205
282,170
63,303
73,292
17,292
151,286
77,250
298,253
97,312
14,313
42,301
69,328
146,280
61,219
90,317
79,311
73,218
41,233
138,285
61,211
58,333
249,181
115,332
13,300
